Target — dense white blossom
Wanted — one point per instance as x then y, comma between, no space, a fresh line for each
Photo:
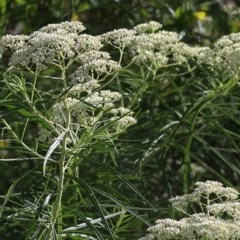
67,27
227,209
217,188
43,49
122,118
86,42
100,109
94,66
151,26
218,221
227,50
13,42
181,202
103,99
83,85
101,66
204,190
49,46
183,52
153,48
119,38
91,55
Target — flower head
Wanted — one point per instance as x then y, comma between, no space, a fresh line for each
219,222
227,50
63,27
119,38
151,26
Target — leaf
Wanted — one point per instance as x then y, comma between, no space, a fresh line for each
36,219
126,208
117,174
88,223
51,149
11,189
94,200
82,225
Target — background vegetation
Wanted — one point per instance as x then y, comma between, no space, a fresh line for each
158,156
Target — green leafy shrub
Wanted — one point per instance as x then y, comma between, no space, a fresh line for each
70,95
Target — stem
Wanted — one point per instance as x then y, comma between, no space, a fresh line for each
56,210
186,160
56,214
20,141
34,86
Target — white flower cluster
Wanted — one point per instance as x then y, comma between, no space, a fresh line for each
227,209
195,227
218,221
101,108
14,43
204,190
227,50
94,65
150,47
119,38
150,27
183,52
67,54
49,46
64,27
84,84
153,48
44,49
212,187
97,110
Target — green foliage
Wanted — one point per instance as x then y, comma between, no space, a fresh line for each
186,105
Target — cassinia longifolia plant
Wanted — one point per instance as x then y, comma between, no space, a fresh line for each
216,218
69,88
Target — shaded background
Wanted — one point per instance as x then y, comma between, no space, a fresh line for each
19,16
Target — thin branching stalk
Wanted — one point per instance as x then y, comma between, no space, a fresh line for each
56,214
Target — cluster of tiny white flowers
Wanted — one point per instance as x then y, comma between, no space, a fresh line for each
227,50
51,45
183,52
228,209
43,49
219,222
95,65
153,48
14,43
99,66
210,227
103,99
204,189
101,108
151,26
148,46
217,188
197,226
66,27
181,202
107,101
92,55
119,38
86,84
85,42
122,118
164,229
